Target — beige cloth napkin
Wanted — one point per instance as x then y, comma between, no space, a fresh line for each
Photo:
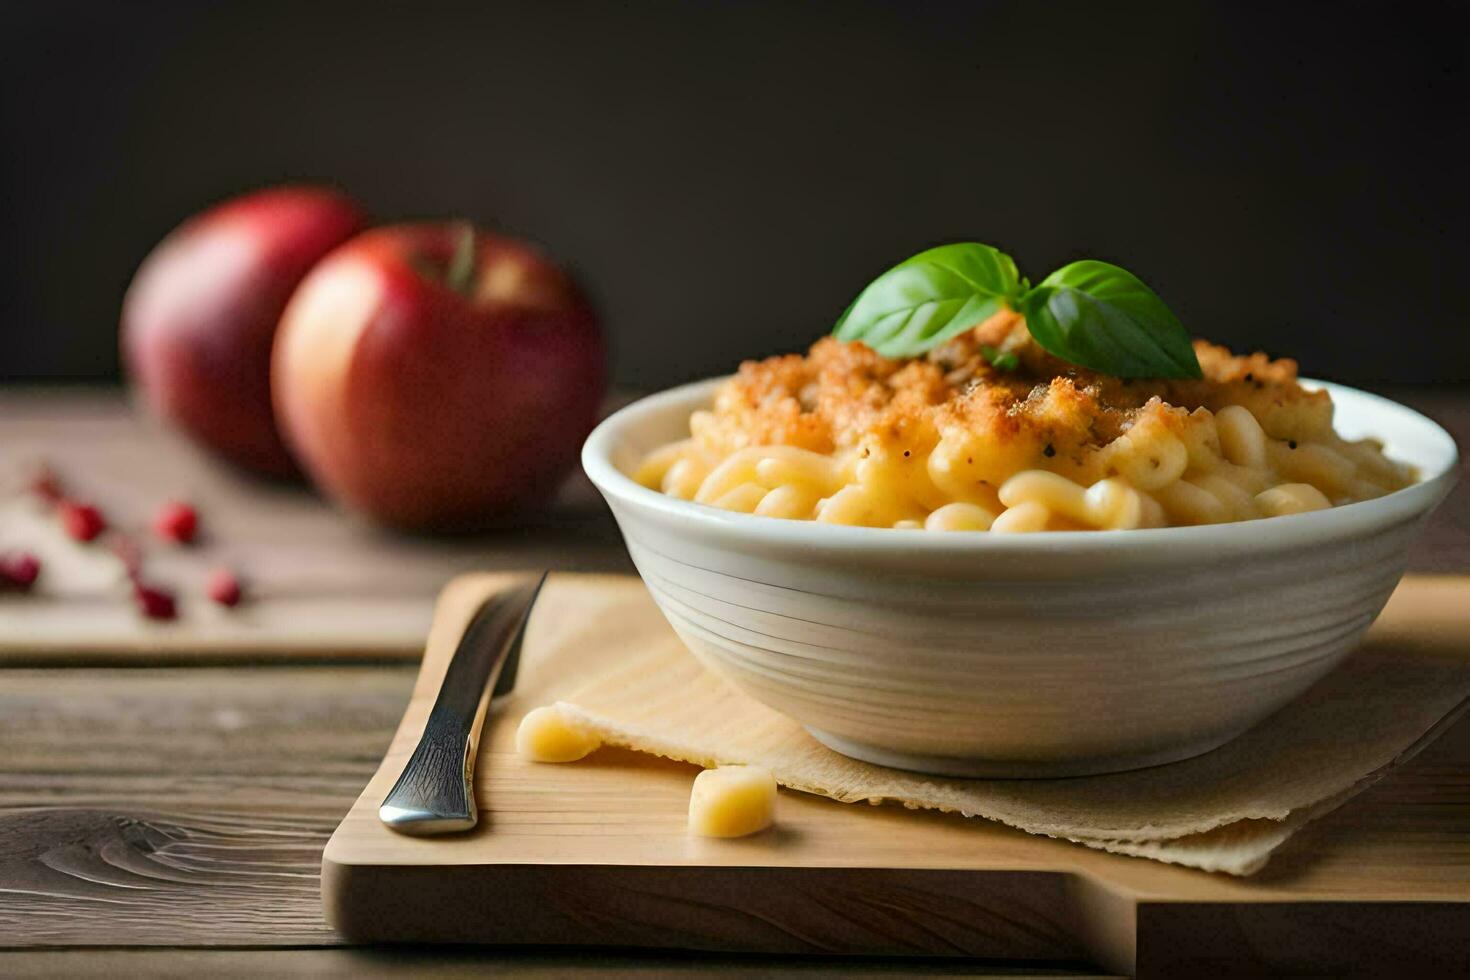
1224,811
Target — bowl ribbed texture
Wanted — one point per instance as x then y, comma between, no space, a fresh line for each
1059,654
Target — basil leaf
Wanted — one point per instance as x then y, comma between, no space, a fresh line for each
931,297
1102,317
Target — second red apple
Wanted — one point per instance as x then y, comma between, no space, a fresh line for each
200,315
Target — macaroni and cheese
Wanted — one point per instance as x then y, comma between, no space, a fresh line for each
948,442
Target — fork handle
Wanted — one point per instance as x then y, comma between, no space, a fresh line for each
435,794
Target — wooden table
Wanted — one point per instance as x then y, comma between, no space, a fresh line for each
168,819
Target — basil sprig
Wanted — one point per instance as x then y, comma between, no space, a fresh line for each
1089,313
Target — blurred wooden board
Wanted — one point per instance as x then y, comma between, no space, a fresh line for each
322,584
597,852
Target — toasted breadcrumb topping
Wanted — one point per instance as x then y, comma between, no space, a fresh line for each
842,395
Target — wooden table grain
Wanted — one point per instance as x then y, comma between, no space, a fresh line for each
169,820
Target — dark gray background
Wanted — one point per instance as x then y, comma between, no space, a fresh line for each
725,176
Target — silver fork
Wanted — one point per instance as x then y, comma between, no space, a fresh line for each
435,793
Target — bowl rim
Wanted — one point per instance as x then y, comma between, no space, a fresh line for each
1294,530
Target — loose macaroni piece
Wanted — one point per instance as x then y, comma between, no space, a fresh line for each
946,442
732,801
1291,498
545,735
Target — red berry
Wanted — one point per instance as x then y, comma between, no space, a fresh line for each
224,588
82,521
19,569
176,522
153,602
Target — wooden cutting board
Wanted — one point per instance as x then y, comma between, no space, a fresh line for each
597,853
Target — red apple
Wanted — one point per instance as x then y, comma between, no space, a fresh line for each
201,313
431,376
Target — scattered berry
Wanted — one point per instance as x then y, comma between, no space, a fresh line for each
82,521
224,587
153,602
19,569
177,522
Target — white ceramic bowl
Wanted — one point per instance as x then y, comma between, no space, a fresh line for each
1050,654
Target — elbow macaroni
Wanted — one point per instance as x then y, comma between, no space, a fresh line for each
1031,458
